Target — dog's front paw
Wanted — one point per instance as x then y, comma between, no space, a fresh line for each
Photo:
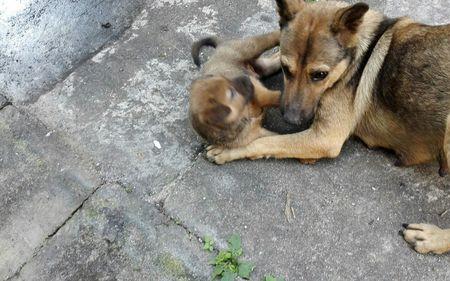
220,155
216,155
426,238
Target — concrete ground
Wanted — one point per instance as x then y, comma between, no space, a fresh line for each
102,178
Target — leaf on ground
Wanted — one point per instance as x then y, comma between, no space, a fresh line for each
208,243
222,257
235,245
245,269
218,270
228,276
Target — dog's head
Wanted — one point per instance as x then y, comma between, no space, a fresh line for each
218,107
317,43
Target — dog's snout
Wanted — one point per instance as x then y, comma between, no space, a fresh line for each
292,116
298,117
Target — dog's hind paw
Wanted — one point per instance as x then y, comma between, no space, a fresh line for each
427,238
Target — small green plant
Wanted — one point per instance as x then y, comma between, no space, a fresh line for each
208,244
271,278
227,264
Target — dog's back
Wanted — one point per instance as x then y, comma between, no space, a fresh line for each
415,77
411,96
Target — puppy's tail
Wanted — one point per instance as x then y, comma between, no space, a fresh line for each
197,47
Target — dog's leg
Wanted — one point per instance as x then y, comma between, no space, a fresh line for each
304,145
333,125
427,238
268,66
308,161
253,47
256,132
265,97
445,154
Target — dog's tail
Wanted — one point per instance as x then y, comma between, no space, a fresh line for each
197,47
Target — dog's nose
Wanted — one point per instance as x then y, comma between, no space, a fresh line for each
292,116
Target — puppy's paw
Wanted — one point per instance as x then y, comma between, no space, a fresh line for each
427,238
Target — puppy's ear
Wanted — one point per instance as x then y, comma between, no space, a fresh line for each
287,10
244,86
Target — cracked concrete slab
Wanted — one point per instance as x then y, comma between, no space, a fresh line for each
127,108
43,180
117,236
41,40
344,219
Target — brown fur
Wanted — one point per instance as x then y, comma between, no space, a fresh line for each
227,101
387,83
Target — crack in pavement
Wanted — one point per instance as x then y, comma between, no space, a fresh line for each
168,188
160,207
74,212
51,235
160,199
4,102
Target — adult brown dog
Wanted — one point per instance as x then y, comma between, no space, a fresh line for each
352,71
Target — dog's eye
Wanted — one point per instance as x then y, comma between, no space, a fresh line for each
231,94
318,75
286,71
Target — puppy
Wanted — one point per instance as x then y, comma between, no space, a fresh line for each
227,101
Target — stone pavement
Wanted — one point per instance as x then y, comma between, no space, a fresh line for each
102,178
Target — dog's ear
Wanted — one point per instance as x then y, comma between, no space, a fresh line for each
347,21
350,18
287,10
244,86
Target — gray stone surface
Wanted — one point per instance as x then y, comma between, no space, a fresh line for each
430,12
128,104
347,215
122,114
117,236
43,180
42,40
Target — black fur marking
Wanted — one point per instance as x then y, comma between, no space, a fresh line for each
384,26
244,86
285,15
197,46
307,50
352,18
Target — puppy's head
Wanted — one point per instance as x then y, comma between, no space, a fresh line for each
318,42
218,107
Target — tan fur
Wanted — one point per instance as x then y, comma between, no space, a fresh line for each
426,238
399,100
217,114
